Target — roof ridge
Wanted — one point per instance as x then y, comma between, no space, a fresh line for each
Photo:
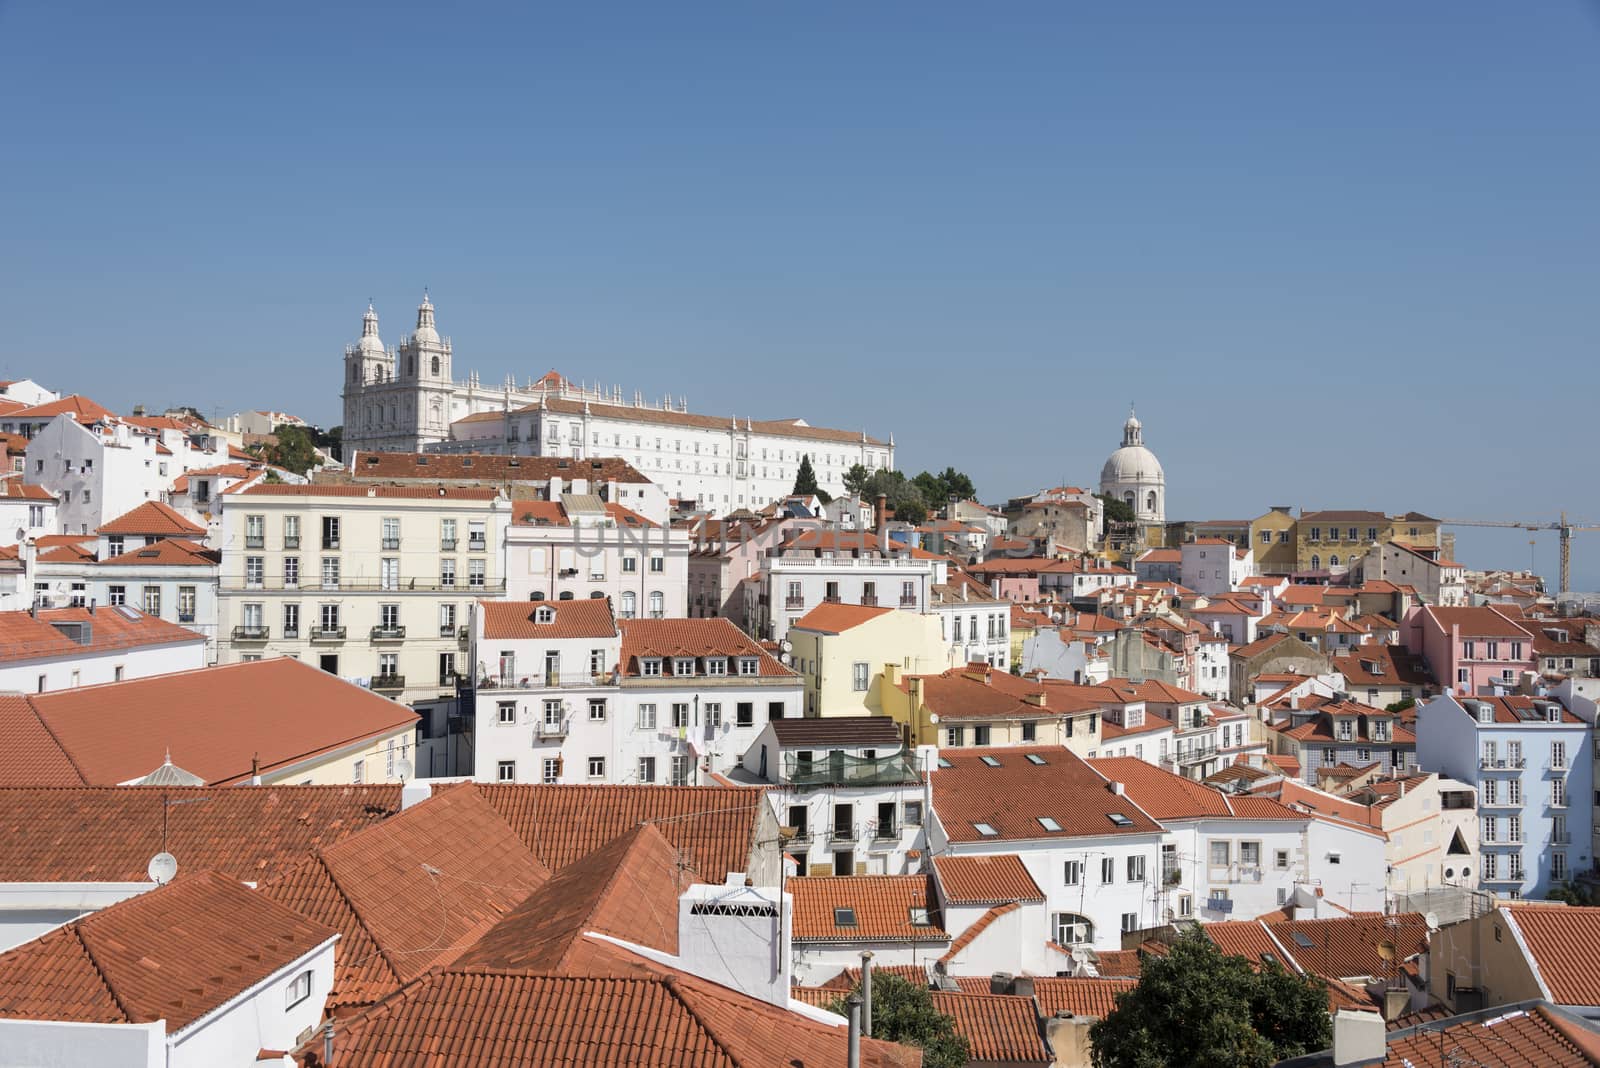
99,969
673,984
379,950
65,752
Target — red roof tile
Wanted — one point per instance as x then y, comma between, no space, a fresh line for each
1014,796
1347,947
107,834
1478,622
334,489
1080,997
997,1027
79,407
881,906
985,880
1507,1039
175,954
168,552
588,618
485,467
12,487
45,633
836,618
212,721
668,638
153,517
1561,941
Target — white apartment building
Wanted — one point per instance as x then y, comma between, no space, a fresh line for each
63,648
371,583
581,547
1214,566
26,511
405,399
100,465
567,694
27,391
846,789
975,623
817,566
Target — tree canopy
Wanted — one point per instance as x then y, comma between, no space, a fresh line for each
904,1012
295,450
1195,1006
1116,511
805,481
912,499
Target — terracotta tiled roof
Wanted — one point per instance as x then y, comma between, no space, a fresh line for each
981,692
976,928
836,618
627,889
1561,941
998,1027
588,618
1119,963
76,551
12,487
153,517
79,407
1249,939
985,880
485,467
1161,793
1259,646
714,826
168,552
107,834
44,634
1383,665
1015,794
880,905
212,721
412,891
1479,622
1080,997
666,1019
837,731
1535,1037
128,963
1347,947
668,638
381,492
791,428
846,980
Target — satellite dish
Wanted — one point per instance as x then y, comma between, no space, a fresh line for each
162,867
1386,950
786,645
785,659
404,770
933,717
1432,920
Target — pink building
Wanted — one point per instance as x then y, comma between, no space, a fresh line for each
1014,578
1468,648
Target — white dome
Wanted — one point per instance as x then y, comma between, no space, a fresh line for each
371,343
1133,463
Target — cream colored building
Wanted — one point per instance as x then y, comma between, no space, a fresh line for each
371,583
842,651
982,706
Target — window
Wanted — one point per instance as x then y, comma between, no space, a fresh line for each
658,564
330,572
447,535
1221,854
359,772
291,572
390,526
186,596
748,665
1136,869
647,717
630,564
683,665
475,571
858,680
955,736
980,734
1250,854
447,571
680,714
647,769
291,621
291,530
447,669
913,813
477,539
1513,790
745,714
255,568
680,771
506,771
298,990
1558,865
713,712
628,605
597,767
330,532
152,600
650,667
254,619
117,595
1108,870
1558,756
658,605
1558,793
1130,922
1072,872
1072,929
1030,731
551,772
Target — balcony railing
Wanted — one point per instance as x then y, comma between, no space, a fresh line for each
476,545
839,833
845,769
1560,837
291,541
908,600
447,545
327,634
1500,763
885,831
447,630
330,543
399,585
536,680
388,682
869,600
291,632
1557,767
256,541
794,602
548,729
383,633
250,634
802,836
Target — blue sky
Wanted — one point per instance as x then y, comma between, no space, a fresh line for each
1340,256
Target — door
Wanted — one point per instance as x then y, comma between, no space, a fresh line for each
330,663
844,862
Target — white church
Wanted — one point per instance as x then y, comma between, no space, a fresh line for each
405,399
1134,476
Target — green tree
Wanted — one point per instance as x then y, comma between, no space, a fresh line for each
331,440
856,479
958,485
1116,511
294,450
904,1012
805,481
1401,706
1194,1006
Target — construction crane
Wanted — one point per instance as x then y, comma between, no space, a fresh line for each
1564,531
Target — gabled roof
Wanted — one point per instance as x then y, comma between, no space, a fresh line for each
588,618
80,632
212,722
168,552
1347,947
79,407
1523,1036
1080,997
153,517
627,889
713,826
1003,789
864,908
175,954
837,731
408,893
1560,940
1479,622
669,638
985,880
486,467
1002,1028
1168,796
107,834
12,487
836,618
981,692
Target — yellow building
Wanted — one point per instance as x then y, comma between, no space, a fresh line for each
976,705
1273,537
1025,623
1334,539
841,650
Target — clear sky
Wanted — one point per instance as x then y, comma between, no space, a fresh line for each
1341,255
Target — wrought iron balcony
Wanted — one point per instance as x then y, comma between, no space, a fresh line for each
388,682
844,769
383,633
327,634
250,634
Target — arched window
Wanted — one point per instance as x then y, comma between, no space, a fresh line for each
1333,560
629,604
1316,561
1127,498
436,365
1150,502
658,605
411,367
1073,930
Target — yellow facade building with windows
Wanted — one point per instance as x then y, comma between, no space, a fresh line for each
843,650
978,705
1336,539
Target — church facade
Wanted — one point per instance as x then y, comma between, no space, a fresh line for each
406,399
1134,476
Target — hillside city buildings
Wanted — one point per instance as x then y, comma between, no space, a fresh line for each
541,707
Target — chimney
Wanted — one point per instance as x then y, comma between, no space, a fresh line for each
1116,788
327,1044
255,769
1038,699
853,1057
1358,1037
866,992
882,515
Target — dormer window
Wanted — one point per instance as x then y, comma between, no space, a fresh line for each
544,615
683,666
748,665
716,665
650,667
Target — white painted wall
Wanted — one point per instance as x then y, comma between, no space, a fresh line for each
55,1044
90,668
